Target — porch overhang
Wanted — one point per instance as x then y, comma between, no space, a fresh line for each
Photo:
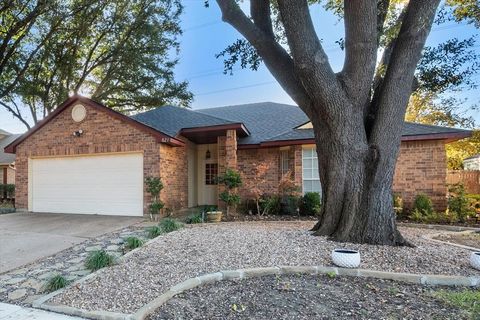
206,135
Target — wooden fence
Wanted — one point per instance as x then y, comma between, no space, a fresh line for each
470,179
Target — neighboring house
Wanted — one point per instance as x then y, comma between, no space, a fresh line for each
7,160
86,158
472,163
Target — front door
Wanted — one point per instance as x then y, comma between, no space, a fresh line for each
207,178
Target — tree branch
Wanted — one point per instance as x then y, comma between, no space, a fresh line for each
15,114
260,12
392,95
360,49
311,61
277,60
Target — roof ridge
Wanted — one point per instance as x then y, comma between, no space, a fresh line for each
186,109
248,104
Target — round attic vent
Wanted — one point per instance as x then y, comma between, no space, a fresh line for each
79,113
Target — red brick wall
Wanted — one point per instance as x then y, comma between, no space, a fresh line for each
421,168
102,134
174,175
249,158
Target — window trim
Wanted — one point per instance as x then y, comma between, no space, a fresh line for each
315,157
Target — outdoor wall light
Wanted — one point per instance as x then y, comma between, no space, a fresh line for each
207,154
78,133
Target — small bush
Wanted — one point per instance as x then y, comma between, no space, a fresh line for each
270,204
310,204
168,225
133,243
289,205
153,232
423,204
55,283
98,260
194,218
459,203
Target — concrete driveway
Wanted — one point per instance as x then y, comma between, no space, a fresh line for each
26,237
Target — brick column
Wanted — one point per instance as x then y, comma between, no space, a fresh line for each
227,157
297,166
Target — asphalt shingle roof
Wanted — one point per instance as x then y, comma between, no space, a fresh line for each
266,121
171,120
5,141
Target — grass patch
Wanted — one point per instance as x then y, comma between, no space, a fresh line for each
56,282
468,300
98,260
194,218
168,225
133,243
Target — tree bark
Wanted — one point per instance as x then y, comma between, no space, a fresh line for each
356,153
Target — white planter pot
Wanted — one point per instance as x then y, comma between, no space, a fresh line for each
475,260
346,258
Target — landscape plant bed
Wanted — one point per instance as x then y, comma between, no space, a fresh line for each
270,217
470,239
207,248
309,297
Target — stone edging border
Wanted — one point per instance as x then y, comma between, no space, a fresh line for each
191,283
431,236
446,227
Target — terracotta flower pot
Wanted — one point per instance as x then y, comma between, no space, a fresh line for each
346,258
214,216
475,260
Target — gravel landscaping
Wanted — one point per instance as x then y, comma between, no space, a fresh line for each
22,286
307,297
201,249
470,239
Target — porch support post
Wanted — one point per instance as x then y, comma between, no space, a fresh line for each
227,157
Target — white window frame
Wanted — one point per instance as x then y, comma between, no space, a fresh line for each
314,159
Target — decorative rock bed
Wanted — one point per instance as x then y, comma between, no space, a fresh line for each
169,260
22,286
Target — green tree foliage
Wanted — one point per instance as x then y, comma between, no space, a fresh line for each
118,52
459,150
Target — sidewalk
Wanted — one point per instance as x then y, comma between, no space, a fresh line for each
14,312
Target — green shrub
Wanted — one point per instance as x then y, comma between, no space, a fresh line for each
423,204
133,243
232,180
433,217
55,283
270,204
155,207
459,203
99,259
310,204
290,204
168,225
194,218
154,187
153,232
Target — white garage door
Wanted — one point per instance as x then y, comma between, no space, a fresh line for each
106,184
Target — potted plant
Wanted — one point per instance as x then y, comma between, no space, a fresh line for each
154,186
231,180
475,260
346,258
213,215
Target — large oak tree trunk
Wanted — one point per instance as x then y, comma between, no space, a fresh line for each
357,117
356,178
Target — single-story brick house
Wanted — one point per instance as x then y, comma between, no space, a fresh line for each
86,158
7,160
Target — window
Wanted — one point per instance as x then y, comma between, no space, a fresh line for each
284,165
311,179
211,172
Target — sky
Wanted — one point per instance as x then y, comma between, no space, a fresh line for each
206,35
